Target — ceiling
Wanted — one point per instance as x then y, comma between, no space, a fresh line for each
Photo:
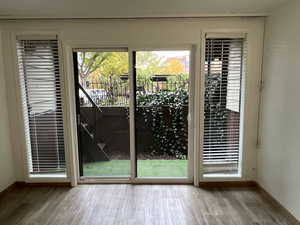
133,8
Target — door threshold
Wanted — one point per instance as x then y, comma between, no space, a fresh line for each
102,180
150,180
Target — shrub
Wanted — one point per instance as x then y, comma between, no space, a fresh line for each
164,114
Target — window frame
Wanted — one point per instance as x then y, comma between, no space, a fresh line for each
47,177
241,175
74,45
254,31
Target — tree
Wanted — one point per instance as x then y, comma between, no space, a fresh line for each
174,67
108,66
115,65
148,64
109,73
89,62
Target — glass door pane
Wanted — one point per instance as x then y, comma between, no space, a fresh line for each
161,110
223,107
102,92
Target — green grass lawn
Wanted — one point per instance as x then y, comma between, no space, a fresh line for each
146,168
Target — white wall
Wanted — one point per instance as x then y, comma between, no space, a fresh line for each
7,176
133,34
136,8
279,153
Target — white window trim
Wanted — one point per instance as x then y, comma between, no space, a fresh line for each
40,178
243,174
254,58
73,45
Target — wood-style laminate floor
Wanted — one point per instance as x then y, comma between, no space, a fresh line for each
122,204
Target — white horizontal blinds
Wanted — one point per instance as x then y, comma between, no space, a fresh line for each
41,95
223,74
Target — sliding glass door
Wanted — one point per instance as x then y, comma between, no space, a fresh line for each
161,112
102,94
154,99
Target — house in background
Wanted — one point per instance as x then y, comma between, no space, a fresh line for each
149,112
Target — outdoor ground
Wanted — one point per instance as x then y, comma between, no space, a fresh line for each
146,168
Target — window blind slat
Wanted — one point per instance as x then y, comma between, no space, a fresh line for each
42,107
223,74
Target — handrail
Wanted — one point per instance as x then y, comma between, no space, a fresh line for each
89,98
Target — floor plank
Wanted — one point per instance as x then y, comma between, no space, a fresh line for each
123,204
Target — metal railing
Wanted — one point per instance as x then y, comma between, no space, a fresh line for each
116,93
